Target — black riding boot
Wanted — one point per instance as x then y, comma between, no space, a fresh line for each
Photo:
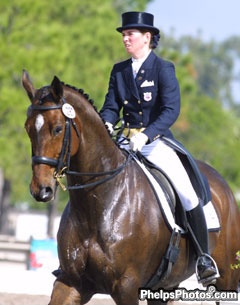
206,268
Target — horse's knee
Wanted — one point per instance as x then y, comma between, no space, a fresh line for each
63,294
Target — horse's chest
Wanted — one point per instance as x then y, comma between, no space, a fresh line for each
87,258
73,259
99,260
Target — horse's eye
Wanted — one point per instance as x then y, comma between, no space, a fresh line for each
57,130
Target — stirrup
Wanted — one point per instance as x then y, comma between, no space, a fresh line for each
211,279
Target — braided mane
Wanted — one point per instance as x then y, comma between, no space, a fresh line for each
43,93
91,101
81,91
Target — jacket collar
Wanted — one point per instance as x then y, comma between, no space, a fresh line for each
128,74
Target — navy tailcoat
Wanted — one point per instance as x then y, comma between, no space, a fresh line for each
151,100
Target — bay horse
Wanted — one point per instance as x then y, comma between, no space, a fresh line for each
112,235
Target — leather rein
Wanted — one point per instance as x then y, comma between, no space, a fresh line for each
62,164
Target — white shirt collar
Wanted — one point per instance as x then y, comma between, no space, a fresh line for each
141,60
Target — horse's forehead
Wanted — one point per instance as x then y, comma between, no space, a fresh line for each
42,94
39,122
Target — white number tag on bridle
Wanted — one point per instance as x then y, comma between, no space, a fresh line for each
68,111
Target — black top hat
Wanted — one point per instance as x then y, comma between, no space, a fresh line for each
138,20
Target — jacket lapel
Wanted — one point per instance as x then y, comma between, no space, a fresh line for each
143,72
130,81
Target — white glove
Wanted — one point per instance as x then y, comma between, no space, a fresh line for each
138,141
109,127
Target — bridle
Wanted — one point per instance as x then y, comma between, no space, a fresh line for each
63,160
62,164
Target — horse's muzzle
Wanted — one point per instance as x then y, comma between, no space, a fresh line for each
44,193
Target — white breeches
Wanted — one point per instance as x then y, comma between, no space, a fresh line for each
168,161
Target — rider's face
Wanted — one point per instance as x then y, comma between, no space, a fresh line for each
136,42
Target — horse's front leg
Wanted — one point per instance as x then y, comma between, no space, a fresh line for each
125,291
63,294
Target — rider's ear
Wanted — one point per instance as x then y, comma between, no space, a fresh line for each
57,88
27,84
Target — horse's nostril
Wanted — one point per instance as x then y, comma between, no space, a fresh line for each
46,193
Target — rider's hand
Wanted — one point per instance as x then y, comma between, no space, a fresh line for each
138,141
109,127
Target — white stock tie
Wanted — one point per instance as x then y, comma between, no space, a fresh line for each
136,64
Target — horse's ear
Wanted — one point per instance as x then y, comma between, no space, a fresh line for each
57,88
27,84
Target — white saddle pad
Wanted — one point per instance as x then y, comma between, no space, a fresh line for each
211,216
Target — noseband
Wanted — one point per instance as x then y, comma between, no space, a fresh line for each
62,164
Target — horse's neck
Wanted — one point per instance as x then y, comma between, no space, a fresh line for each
102,159
96,153
101,155
96,150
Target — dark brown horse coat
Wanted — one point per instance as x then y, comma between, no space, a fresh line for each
112,235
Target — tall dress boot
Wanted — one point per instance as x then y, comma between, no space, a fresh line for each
206,268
